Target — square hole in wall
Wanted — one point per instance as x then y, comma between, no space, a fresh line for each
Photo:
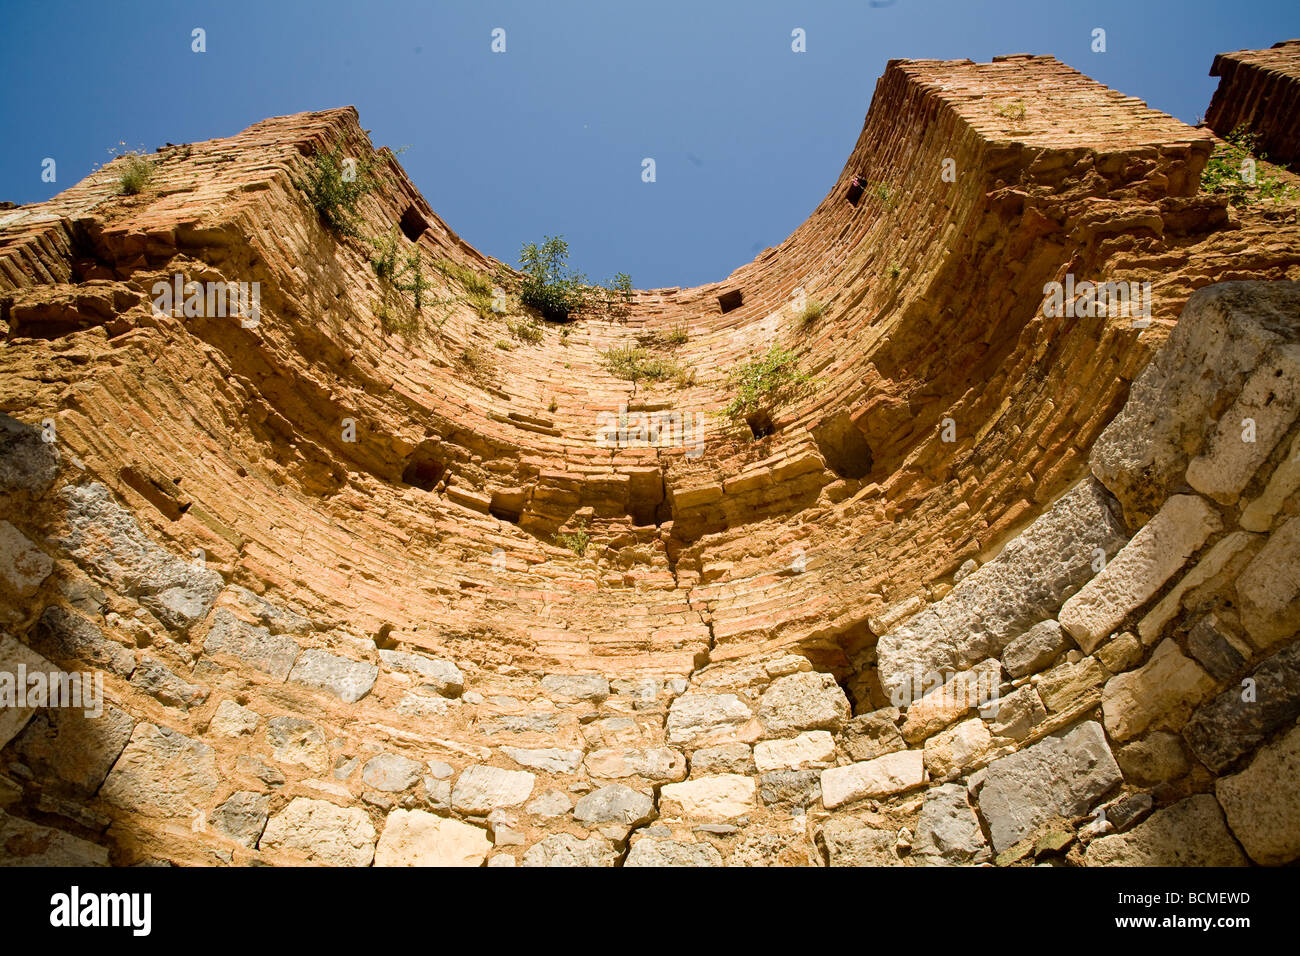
730,300
854,193
413,224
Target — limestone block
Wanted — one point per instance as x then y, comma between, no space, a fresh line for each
1270,399
806,701
1215,565
443,676
391,773
23,566
718,798
546,759
892,773
947,831
1223,334
655,763
1259,514
695,717
65,635
162,773
1269,588
418,838
299,742
64,744
814,748
565,849
615,804
322,832
1036,649
1062,775
576,686
106,539
1160,695
654,851
1139,570
853,842
346,679
957,747
242,817
14,657
26,462
1017,713
1189,833
250,644
1154,759
872,735
797,788
958,695
481,789
1024,585
1069,686
1237,720
1262,802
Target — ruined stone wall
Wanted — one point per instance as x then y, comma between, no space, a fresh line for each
311,655
1259,90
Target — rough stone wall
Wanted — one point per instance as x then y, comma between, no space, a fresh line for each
306,658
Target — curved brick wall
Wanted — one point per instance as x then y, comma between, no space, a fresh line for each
363,669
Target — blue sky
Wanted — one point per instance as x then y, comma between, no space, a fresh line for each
549,137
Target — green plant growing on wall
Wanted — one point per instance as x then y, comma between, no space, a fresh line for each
525,330
576,541
1233,171
1015,112
403,273
334,184
636,364
137,171
557,292
664,339
761,385
477,287
812,311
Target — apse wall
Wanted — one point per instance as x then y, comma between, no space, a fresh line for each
317,559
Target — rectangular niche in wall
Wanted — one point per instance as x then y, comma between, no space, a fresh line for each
413,224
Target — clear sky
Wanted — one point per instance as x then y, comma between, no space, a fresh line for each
549,136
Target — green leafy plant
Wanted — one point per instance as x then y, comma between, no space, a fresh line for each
404,273
334,186
895,270
549,286
557,292
384,260
1224,173
618,294
137,171
577,540
636,364
761,385
412,278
